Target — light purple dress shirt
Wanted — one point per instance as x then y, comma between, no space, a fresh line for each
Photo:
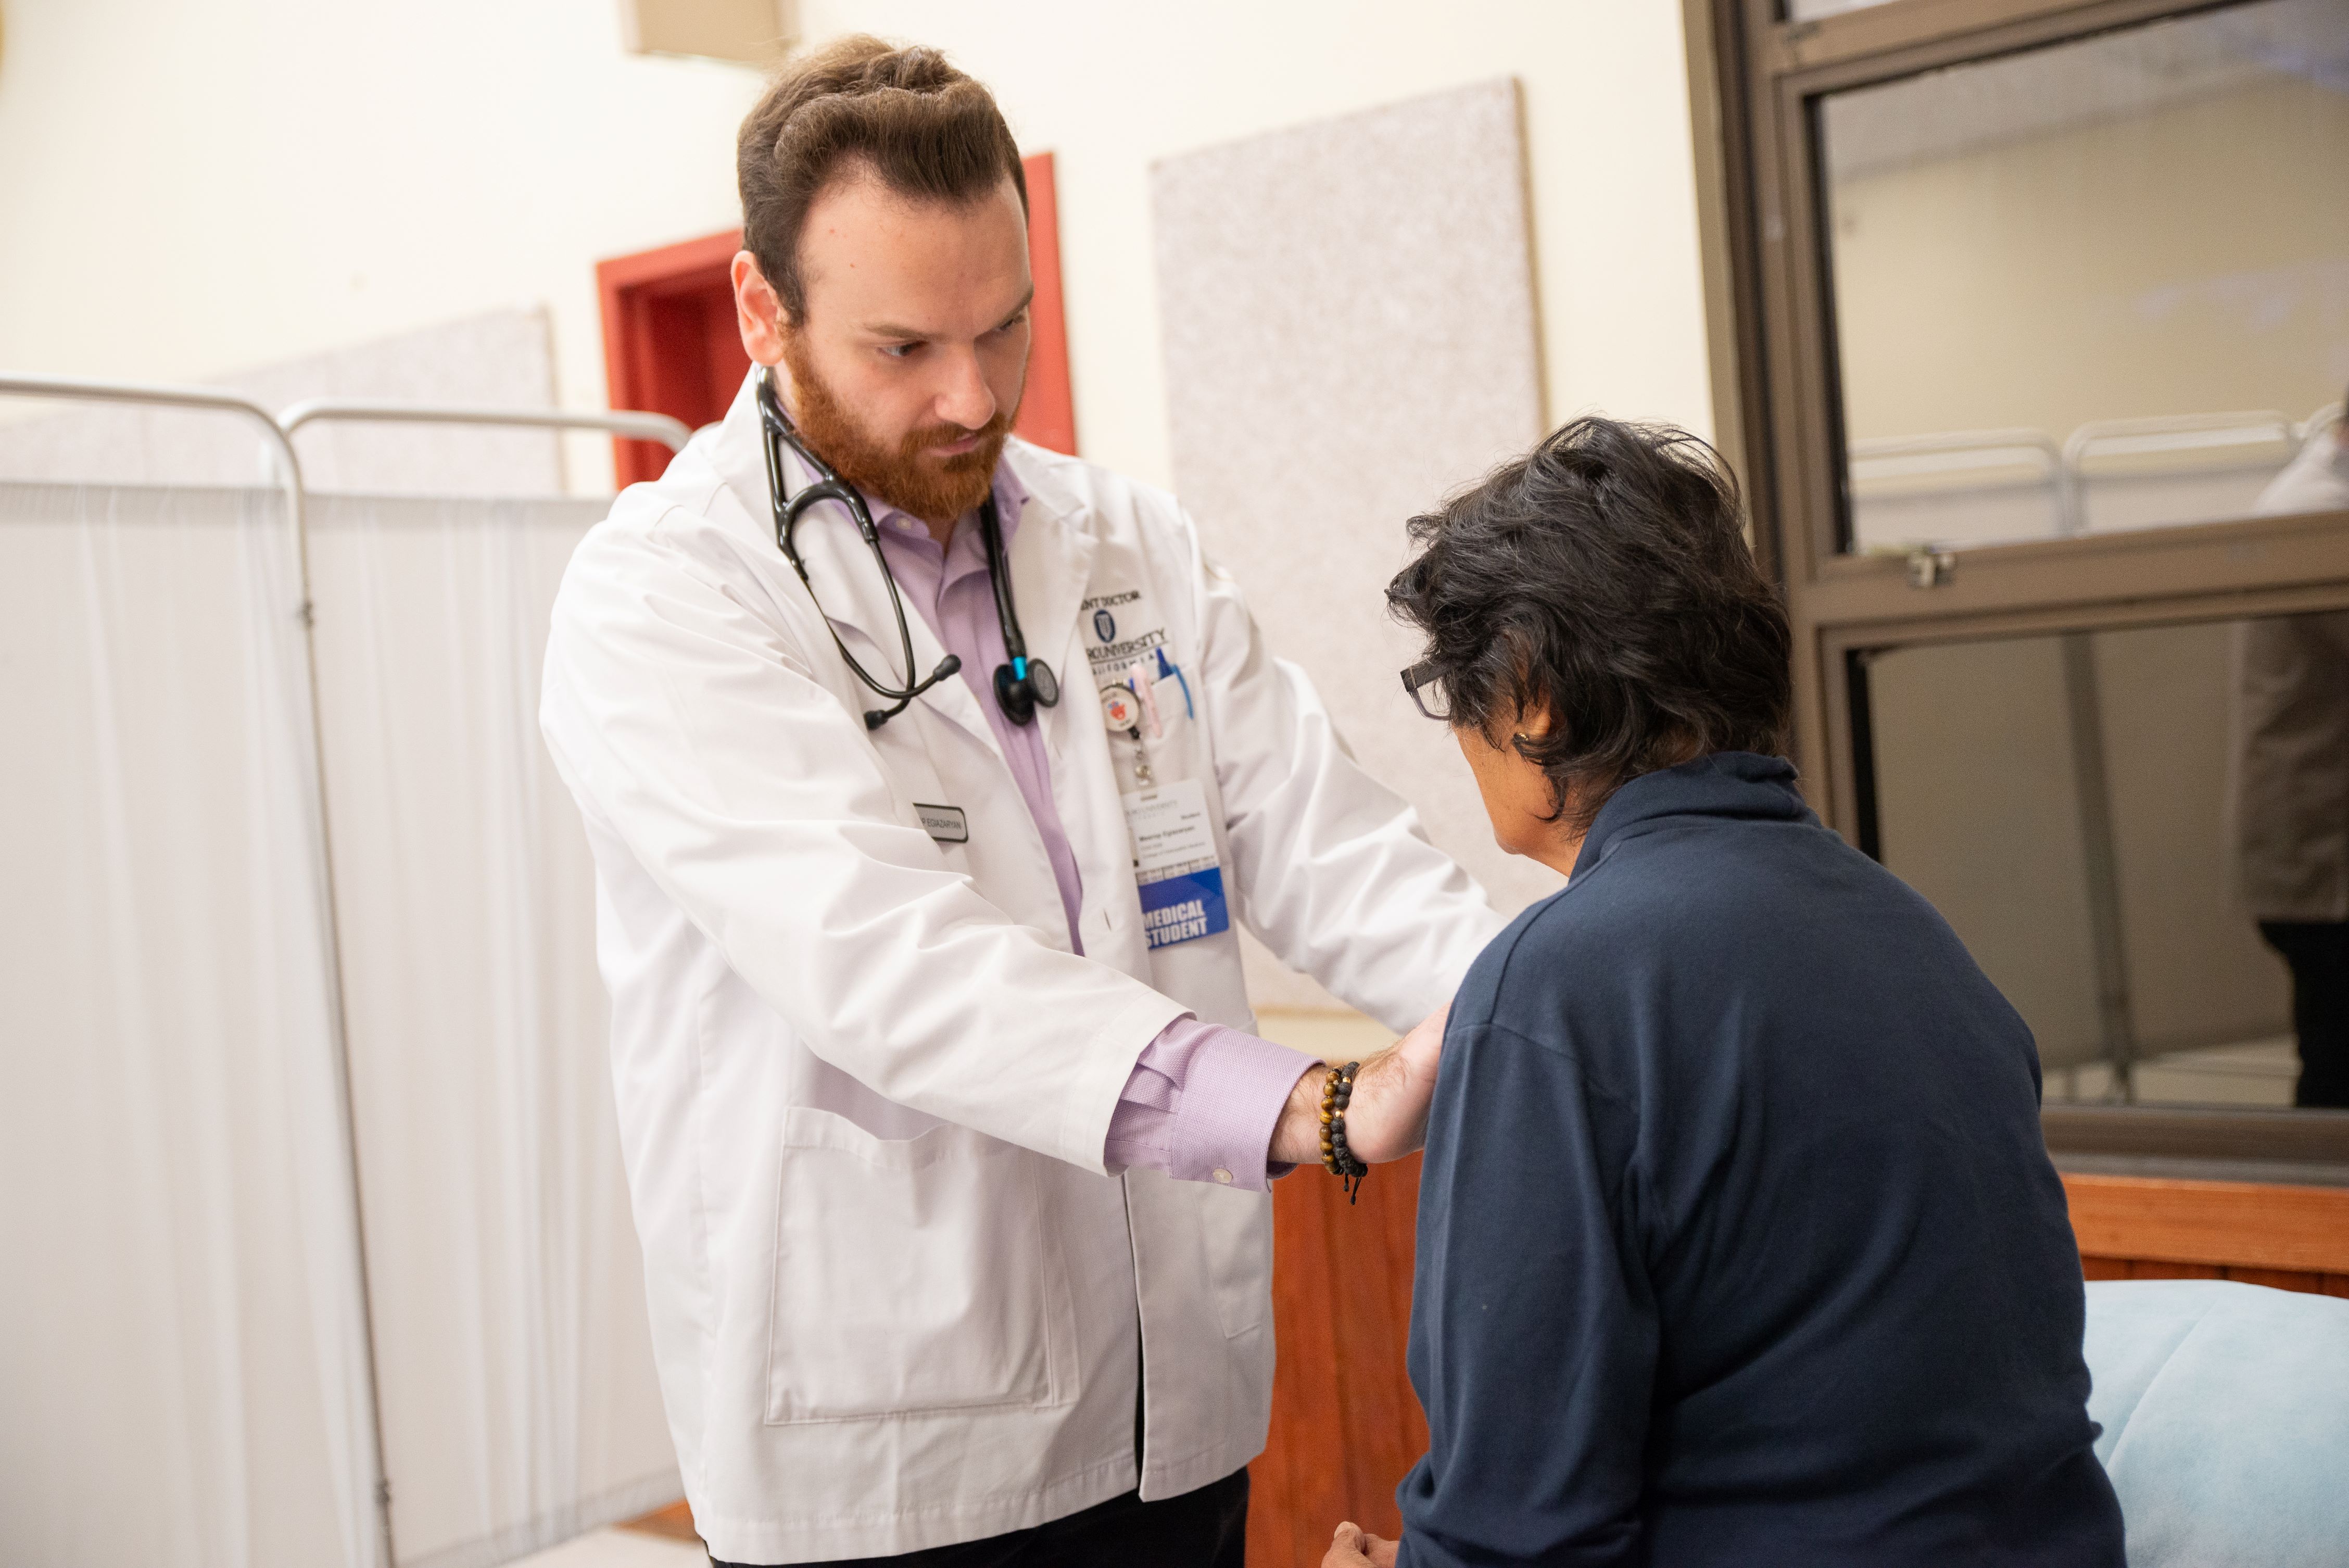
1204,1100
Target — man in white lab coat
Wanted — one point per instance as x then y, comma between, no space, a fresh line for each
948,1136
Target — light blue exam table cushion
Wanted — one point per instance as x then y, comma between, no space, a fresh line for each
2225,1410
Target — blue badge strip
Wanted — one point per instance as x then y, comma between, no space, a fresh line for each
1184,906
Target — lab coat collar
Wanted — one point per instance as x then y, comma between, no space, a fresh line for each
1051,561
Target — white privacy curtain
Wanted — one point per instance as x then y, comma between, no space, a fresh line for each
183,1375
518,1400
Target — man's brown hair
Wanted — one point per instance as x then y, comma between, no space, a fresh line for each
927,130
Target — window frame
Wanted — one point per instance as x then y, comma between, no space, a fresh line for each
1756,79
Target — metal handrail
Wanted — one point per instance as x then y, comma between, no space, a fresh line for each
1892,457
2175,433
281,445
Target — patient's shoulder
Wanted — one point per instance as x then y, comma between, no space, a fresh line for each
1540,955
1688,917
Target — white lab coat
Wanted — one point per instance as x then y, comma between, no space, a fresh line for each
863,1084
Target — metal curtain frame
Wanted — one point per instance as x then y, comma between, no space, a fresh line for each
640,426
289,474
671,433
278,433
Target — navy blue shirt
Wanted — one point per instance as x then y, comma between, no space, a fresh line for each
1738,1239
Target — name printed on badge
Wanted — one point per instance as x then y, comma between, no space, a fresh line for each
947,824
1174,861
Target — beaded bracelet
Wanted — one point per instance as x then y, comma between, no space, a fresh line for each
1335,1158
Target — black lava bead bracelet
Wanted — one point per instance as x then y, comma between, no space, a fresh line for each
1335,1158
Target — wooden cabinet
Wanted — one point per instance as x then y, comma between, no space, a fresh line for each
1345,1423
2289,1238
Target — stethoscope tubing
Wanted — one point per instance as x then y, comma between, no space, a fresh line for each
1030,676
830,486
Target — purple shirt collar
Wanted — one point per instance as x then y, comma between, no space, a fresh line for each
1010,497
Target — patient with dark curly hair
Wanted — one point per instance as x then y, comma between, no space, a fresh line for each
1738,1239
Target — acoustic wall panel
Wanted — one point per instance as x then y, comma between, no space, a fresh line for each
1349,317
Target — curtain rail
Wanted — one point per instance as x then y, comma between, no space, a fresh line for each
633,423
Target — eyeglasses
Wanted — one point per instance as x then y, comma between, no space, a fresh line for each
1429,689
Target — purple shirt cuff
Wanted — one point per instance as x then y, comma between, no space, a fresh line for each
1202,1105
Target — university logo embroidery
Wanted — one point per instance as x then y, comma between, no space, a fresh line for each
1114,646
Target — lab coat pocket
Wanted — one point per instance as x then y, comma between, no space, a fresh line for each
1236,1234
911,1276
1170,737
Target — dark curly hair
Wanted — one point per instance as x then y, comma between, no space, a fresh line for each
928,132
1603,579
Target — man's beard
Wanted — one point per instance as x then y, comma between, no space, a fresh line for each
938,491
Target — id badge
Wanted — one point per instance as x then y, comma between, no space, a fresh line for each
1174,863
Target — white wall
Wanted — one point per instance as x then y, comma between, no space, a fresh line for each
192,189
2188,258
1110,87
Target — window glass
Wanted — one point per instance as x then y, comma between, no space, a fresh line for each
2142,836
2097,286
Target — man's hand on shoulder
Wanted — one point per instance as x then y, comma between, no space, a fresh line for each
1387,1118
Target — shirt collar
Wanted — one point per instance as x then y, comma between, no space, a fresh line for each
1010,497
1728,784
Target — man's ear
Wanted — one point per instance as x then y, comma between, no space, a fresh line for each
758,310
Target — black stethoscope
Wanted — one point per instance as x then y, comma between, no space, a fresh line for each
1022,686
